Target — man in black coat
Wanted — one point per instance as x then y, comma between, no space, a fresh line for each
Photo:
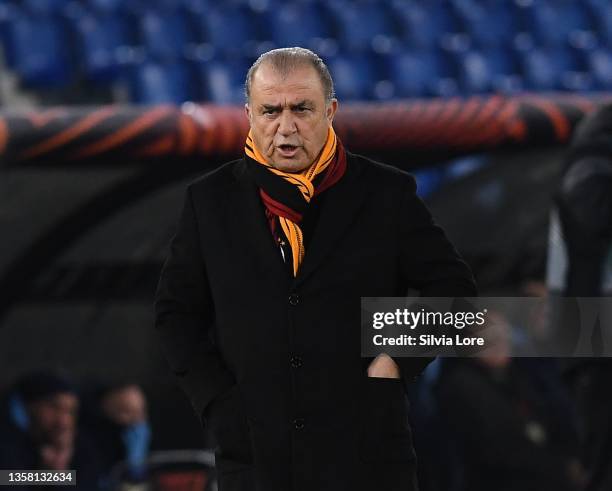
258,304
581,268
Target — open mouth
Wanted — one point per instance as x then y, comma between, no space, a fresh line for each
287,150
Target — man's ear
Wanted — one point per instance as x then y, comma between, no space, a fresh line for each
247,111
330,110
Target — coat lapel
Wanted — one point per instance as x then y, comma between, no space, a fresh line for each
338,212
249,227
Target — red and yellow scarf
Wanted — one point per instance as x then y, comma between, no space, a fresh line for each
286,195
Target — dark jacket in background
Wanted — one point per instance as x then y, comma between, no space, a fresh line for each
584,204
273,362
513,428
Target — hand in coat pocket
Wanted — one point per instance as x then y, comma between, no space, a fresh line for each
227,419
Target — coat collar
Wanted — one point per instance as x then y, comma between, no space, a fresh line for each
338,212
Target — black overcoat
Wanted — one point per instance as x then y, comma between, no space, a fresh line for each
272,363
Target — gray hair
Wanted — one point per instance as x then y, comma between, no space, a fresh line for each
285,60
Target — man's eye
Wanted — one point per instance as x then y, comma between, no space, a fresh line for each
301,109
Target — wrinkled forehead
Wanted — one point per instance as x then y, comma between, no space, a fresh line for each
269,86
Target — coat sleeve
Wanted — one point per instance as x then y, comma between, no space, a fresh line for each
184,315
429,263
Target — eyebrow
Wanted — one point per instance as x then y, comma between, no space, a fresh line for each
277,107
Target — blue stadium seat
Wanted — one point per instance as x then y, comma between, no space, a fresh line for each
136,7
604,23
230,29
45,7
600,66
164,5
41,53
223,80
595,4
423,73
197,7
425,25
489,23
106,6
8,13
476,75
157,83
353,76
558,22
556,68
490,70
296,24
102,40
506,69
165,35
362,25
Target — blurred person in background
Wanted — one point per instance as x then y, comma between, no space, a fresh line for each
258,304
511,424
42,430
116,419
581,266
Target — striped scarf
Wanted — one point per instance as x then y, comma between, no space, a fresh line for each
286,195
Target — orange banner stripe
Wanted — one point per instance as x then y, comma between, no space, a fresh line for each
445,123
187,135
69,134
465,119
482,121
130,131
162,146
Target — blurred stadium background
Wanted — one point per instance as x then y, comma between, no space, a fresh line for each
85,51
109,107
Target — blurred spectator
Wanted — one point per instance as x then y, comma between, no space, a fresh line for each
41,431
512,431
117,421
580,266
584,206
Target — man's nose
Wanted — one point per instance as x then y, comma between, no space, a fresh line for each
286,125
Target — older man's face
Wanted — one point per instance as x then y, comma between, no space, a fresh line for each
288,116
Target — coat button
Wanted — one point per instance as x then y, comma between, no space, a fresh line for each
298,423
294,299
296,362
